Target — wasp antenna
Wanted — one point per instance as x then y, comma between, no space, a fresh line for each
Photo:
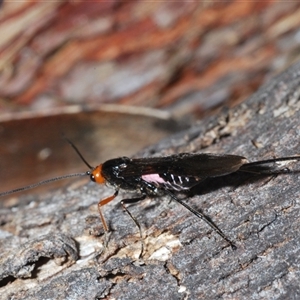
78,152
31,186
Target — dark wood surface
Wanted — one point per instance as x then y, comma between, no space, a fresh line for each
51,243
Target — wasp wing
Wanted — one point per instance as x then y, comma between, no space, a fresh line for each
186,164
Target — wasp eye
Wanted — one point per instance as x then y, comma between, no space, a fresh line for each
92,177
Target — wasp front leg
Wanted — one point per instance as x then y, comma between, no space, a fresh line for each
100,204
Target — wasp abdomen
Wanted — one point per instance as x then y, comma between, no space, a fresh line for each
171,181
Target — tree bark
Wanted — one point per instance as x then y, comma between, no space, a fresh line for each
52,244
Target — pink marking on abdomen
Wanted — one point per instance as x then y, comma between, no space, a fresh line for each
153,178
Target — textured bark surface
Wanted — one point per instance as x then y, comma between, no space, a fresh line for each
187,56
51,244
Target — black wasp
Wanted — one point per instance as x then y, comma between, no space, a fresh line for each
157,176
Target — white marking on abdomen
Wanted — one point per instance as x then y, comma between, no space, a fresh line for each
170,181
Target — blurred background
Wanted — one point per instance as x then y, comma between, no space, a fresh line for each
116,76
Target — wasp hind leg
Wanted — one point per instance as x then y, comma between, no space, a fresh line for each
203,217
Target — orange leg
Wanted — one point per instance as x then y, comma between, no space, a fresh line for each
102,203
